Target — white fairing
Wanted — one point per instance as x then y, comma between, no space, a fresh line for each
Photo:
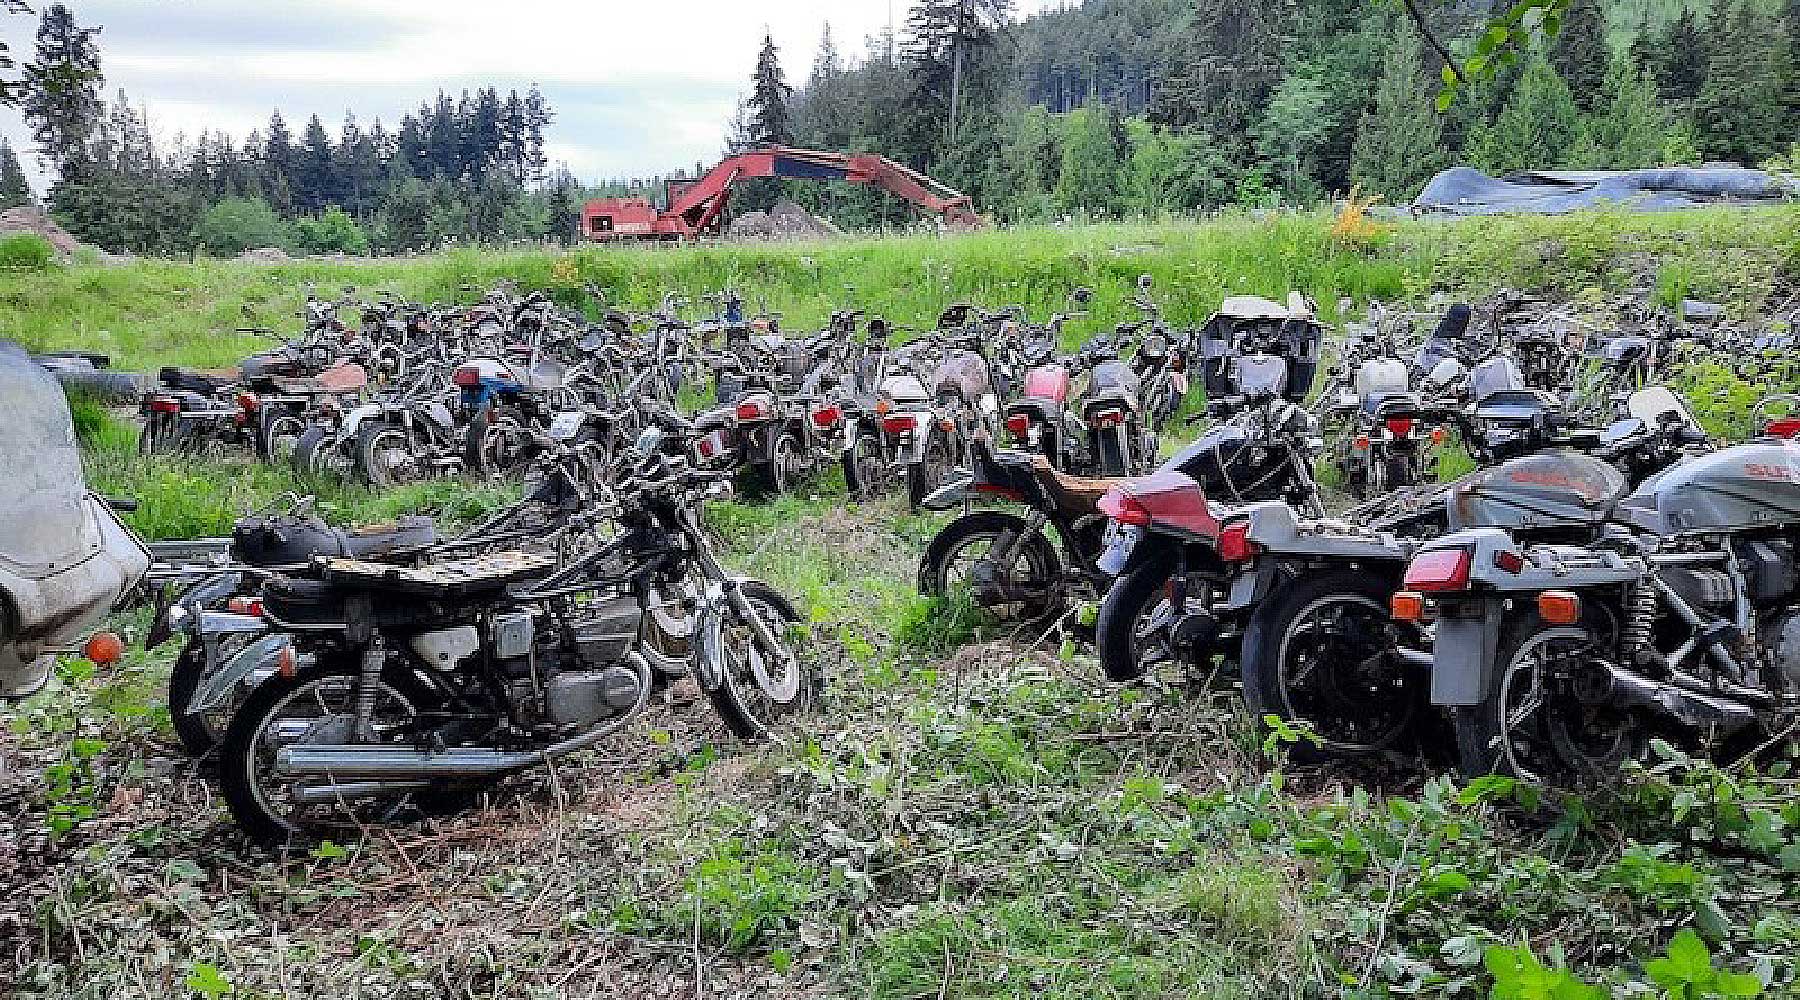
1380,378
65,560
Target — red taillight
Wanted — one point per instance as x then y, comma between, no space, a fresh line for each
827,416
1109,418
1124,508
1235,545
1400,426
1509,561
467,376
248,402
244,606
752,409
1438,435
1783,427
901,423
1361,443
1438,570
165,405
1019,424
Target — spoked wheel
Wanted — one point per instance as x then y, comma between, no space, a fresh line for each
159,433
754,690
198,731
788,463
385,456
928,473
280,436
867,471
318,452
311,707
496,444
1325,653
1531,724
960,560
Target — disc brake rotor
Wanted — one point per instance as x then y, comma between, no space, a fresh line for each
781,690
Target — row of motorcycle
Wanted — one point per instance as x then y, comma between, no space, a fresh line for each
1607,575
411,392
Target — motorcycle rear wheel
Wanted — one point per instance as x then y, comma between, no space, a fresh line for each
1318,653
1123,634
375,444
1529,726
969,539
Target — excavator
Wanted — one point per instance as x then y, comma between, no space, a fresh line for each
696,208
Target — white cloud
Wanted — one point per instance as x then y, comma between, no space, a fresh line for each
639,88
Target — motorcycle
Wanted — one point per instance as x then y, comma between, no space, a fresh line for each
414,687
1039,419
1557,662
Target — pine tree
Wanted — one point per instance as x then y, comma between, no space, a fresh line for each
62,92
1633,127
1741,111
315,182
768,104
13,189
1536,129
1580,53
1230,61
11,88
1401,140
537,118
1676,56
1092,169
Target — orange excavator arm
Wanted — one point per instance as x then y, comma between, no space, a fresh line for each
699,204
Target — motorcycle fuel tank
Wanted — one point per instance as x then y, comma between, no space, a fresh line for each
1748,486
1559,488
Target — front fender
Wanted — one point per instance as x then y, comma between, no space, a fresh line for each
252,663
956,489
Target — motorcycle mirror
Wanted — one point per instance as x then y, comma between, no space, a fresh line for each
1622,430
1082,295
1144,282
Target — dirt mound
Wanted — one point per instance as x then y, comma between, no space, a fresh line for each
785,221
31,219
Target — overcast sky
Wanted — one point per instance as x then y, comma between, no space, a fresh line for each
638,87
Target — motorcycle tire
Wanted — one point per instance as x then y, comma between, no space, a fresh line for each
1340,710
309,451
369,450
927,474
1113,461
865,469
275,428
787,462
197,734
738,700
1483,746
1037,553
1125,604
158,434
240,748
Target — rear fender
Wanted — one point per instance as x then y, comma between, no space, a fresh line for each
1463,651
257,660
956,490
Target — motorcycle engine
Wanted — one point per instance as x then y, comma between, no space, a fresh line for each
1708,589
584,674
1781,641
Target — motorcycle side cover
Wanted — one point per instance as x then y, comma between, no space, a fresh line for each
1748,486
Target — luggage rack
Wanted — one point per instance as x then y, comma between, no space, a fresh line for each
446,579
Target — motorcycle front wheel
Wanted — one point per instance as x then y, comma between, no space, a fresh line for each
1132,634
750,692
867,472
928,473
384,454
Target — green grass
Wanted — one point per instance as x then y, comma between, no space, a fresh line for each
148,313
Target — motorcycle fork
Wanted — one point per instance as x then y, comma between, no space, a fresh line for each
734,596
1010,547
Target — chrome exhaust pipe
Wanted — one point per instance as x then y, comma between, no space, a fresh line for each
351,791
389,763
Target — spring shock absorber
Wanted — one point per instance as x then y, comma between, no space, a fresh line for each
368,689
1640,620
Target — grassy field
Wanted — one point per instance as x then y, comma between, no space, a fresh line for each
975,814
150,313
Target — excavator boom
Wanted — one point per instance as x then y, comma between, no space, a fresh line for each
697,207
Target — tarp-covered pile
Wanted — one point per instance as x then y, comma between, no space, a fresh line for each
1467,191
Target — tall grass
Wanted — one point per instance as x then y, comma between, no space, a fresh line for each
148,313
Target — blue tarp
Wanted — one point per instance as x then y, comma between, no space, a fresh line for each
1467,191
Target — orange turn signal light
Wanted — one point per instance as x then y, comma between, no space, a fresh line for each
284,661
103,648
1559,607
1361,443
1438,436
1407,606
882,406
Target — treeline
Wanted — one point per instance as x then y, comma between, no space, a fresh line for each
470,168
1143,107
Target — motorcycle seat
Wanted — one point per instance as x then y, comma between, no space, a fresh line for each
330,382
452,578
285,541
1078,496
198,380
1383,404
